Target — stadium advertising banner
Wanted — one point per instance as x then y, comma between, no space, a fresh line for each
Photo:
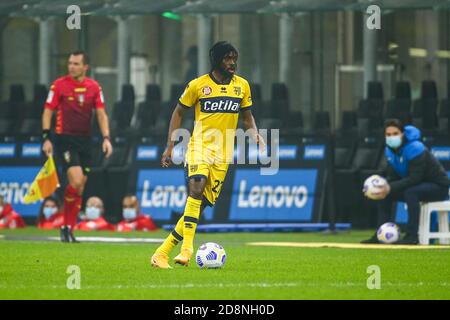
162,192
20,162
14,184
286,196
293,194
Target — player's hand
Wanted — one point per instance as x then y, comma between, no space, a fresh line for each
260,141
165,159
107,148
47,148
386,190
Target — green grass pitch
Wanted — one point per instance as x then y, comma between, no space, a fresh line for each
37,269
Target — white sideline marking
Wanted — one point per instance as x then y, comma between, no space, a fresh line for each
346,245
236,285
115,240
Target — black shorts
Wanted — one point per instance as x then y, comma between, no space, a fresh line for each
73,151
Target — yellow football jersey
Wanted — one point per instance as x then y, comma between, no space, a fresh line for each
217,108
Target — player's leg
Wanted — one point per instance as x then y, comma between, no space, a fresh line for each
76,158
185,228
72,199
209,191
192,212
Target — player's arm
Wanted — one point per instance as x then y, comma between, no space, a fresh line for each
50,105
250,124
103,123
175,123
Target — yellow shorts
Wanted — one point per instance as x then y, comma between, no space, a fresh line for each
215,175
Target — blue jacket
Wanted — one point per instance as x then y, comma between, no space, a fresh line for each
412,164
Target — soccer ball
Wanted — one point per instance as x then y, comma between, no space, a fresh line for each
211,255
373,186
388,233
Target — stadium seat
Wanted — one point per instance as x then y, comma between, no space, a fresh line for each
375,90
257,103
152,93
294,123
444,113
32,113
351,204
279,92
349,125
370,110
344,150
6,118
425,108
176,90
123,111
399,107
17,108
127,93
147,113
255,89
321,122
369,116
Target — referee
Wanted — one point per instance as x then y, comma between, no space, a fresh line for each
74,97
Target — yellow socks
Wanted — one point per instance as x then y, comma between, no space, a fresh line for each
191,215
185,227
172,239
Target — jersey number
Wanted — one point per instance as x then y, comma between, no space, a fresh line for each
217,183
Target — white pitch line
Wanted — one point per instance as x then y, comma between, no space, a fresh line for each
237,285
115,240
347,245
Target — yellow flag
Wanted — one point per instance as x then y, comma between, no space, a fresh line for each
44,184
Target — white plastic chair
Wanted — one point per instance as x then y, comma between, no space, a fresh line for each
443,234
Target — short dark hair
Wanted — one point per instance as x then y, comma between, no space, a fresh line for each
83,53
394,123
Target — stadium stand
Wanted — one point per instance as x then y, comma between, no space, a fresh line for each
123,110
425,108
358,142
399,107
370,110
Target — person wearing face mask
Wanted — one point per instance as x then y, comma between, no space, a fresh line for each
133,220
9,219
50,214
414,175
94,219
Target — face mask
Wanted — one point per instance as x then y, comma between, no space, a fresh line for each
394,141
49,211
129,213
92,213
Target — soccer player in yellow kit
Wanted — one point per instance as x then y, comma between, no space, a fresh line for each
218,98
